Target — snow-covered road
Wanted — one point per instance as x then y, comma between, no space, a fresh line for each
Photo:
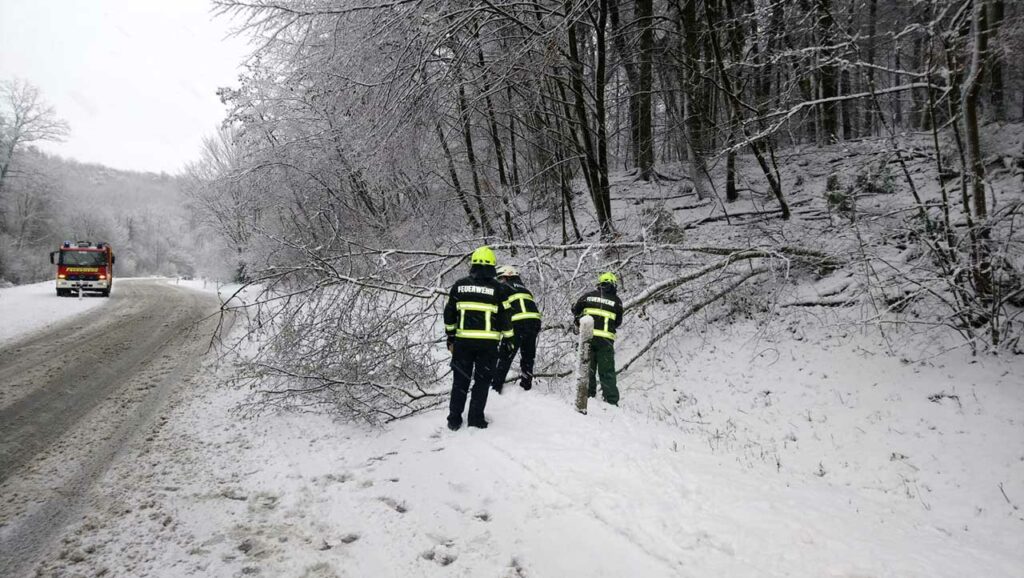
74,392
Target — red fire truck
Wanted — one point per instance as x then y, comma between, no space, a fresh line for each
84,266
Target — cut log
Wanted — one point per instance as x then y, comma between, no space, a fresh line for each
583,362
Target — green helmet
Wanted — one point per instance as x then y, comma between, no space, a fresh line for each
483,256
607,277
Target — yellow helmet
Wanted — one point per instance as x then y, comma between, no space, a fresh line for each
607,277
483,256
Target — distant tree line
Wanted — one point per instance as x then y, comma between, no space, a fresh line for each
45,199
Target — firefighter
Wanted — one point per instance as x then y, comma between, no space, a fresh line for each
525,318
604,305
475,321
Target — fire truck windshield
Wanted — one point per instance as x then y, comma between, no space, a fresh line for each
83,258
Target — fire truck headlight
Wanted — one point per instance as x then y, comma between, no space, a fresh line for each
62,276
103,276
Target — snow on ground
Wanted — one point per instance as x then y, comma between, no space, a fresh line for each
942,434
26,308
210,286
817,456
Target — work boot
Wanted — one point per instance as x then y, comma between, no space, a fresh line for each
482,424
526,384
454,425
497,387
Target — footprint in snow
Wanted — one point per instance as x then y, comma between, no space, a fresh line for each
320,570
335,478
399,507
381,458
444,554
263,502
482,515
515,570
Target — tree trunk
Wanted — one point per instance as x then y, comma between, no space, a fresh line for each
827,75
734,101
691,78
598,181
632,76
588,176
454,174
674,135
869,117
565,178
731,194
499,151
467,134
847,108
516,187
644,15
897,97
997,86
561,165
583,353
600,113
736,40
975,166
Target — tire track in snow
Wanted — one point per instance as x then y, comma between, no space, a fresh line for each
75,418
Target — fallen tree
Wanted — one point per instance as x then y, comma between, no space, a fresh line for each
355,330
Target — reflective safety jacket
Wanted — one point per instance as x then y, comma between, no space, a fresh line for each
604,305
523,311
476,309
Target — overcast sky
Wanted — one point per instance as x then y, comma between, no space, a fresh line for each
136,79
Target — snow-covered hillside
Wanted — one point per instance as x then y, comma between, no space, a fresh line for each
817,456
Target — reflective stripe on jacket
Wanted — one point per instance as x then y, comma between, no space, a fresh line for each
476,309
520,303
605,307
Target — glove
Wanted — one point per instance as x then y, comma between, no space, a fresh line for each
451,345
507,346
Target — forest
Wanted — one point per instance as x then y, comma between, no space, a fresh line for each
726,157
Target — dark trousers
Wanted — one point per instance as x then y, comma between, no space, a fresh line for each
473,361
602,363
525,342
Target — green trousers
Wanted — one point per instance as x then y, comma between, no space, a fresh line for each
602,362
